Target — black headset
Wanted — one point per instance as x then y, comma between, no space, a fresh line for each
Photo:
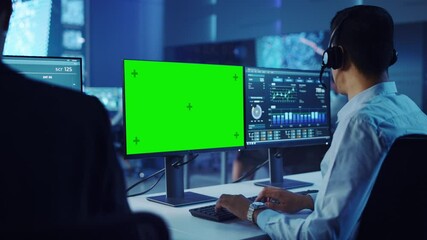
333,56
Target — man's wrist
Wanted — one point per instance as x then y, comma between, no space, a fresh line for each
255,216
253,207
308,202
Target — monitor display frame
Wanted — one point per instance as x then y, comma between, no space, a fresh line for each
277,115
261,111
296,50
65,65
223,105
203,98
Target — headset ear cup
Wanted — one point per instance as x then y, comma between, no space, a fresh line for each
393,57
333,57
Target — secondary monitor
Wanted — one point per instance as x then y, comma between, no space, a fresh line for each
59,71
174,108
285,108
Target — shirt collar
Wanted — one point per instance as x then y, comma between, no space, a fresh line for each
383,88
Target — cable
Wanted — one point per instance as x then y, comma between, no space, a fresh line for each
179,164
176,164
145,179
146,191
321,76
250,172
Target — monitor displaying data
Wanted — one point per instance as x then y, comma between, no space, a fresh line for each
176,107
286,107
29,28
58,71
302,50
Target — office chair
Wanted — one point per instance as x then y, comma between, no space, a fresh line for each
397,206
135,226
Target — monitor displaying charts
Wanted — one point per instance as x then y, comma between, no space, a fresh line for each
286,107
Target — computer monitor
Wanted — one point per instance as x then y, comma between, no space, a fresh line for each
111,97
285,108
172,109
299,50
58,71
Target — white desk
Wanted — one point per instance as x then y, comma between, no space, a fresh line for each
183,225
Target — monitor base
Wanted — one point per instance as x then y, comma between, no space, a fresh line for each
188,199
286,184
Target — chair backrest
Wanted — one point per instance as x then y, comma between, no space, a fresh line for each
397,206
135,226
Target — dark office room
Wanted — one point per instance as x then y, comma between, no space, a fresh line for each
213,119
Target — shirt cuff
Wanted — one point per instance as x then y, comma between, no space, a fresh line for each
264,216
313,196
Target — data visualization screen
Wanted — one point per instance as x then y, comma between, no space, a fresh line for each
302,50
29,28
172,107
286,107
59,71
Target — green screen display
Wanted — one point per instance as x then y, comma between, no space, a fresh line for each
174,107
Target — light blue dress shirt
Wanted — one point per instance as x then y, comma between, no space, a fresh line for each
367,126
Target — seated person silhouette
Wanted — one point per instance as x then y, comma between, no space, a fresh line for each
58,161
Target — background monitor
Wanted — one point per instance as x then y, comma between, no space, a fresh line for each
29,28
285,108
301,50
48,28
111,97
59,71
174,108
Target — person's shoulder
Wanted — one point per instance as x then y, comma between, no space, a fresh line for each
75,101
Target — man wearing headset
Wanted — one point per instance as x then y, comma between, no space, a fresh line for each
360,52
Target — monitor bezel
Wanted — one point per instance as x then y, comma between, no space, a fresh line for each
79,59
325,140
177,152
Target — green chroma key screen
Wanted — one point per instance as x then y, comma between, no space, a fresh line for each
176,107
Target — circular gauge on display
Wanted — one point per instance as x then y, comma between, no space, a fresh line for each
257,112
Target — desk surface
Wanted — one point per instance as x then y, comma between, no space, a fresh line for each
183,225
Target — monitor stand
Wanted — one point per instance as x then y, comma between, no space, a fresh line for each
175,195
276,173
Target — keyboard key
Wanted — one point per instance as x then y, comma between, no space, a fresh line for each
208,213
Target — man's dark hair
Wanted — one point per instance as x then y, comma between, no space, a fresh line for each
366,34
6,6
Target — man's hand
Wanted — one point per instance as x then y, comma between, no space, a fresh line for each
282,200
236,204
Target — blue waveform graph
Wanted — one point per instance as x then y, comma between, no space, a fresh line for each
290,118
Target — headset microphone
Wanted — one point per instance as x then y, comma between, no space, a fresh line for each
321,75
